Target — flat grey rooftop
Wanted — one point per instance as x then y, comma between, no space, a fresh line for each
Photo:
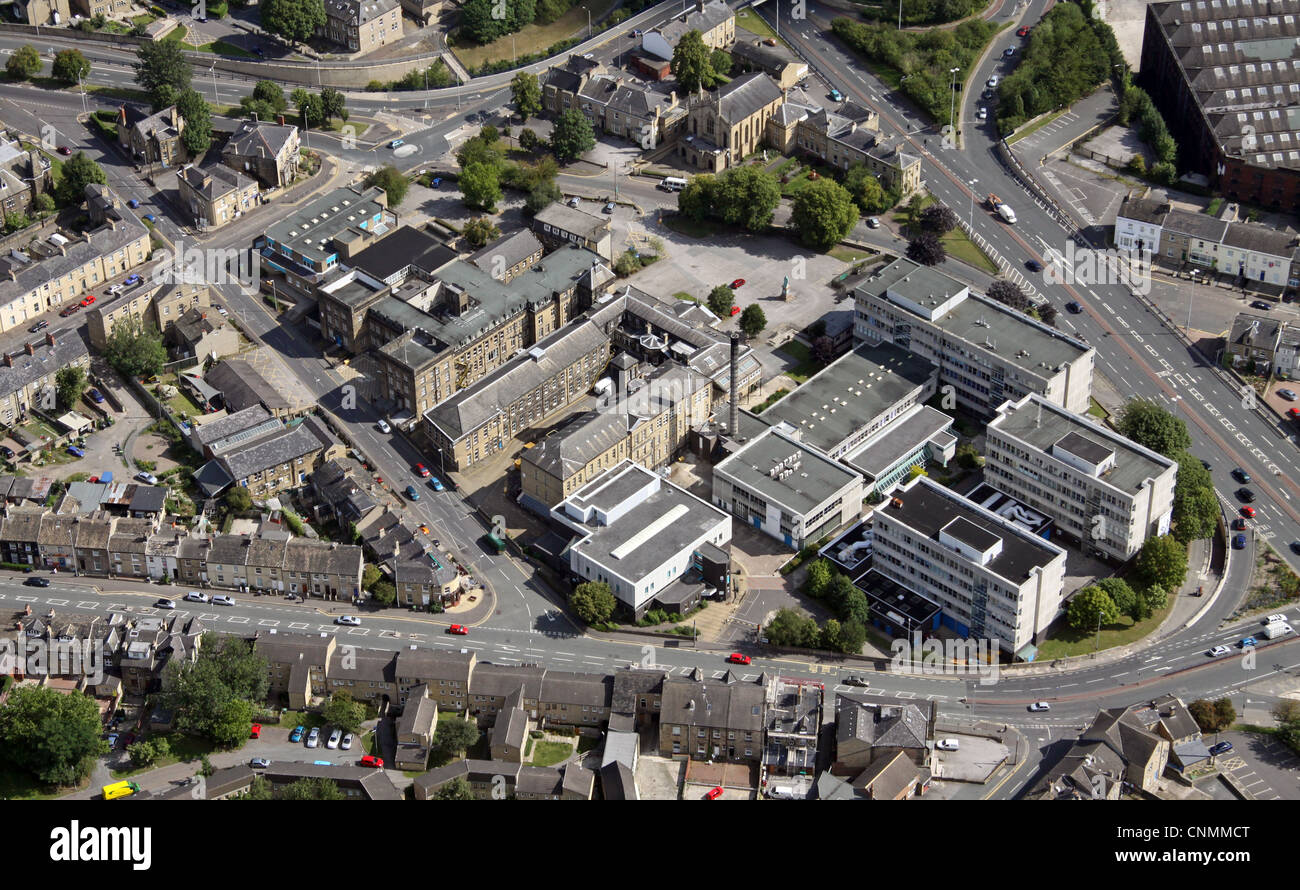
927,507
852,391
899,439
815,479
1042,424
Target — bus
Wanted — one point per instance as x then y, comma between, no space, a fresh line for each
672,184
120,789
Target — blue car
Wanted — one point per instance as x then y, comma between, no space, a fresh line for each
1221,748
95,395
1247,642
296,735
75,451
412,493
1238,542
437,181
837,96
436,484
133,203
150,217
396,142
131,279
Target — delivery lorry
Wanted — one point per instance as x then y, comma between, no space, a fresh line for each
1277,629
1002,209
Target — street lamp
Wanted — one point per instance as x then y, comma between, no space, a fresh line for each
213,71
588,23
900,15
973,183
952,98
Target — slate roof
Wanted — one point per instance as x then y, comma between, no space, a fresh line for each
278,448
46,359
214,181
259,139
745,95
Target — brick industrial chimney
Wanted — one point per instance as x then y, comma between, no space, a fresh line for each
733,422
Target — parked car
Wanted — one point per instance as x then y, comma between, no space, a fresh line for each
147,478
982,113
1221,748
714,793
1288,394
1241,476
39,326
133,203
458,629
37,581
1040,706
436,484
737,658
95,396
222,600
76,451
346,744
947,744
1009,52
994,81
422,471
255,731
372,761
68,310
165,604
855,680
735,310
412,493
1218,650
88,300
608,208
383,426
1261,305
313,737
1239,542
64,150
348,620
195,596
151,218
738,283
836,96
335,737
259,763
575,201
7,452
1293,413
296,735
873,222
131,280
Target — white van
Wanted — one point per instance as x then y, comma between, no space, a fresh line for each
672,184
993,81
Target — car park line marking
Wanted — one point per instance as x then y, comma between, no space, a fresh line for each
358,631
57,602
87,604
25,599
904,695
268,622
238,619
298,625
557,658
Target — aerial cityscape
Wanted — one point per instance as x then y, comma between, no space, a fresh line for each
611,400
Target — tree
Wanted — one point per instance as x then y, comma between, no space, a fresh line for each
1151,426
79,171
480,186
1196,506
135,348
197,133
49,735
720,300
592,602
293,19
823,213
830,635
696,199
926,249
453,736
1120,593
1161,561
1213,716
572,135
1286,711
720,63
753,320
527,94
853,636
789,628
370,573
271,93
70,383
838,591
823,350
478,23
392,181
44,202
384,593
146,752
311,789
333,104
162,71
24,63
938,218
1156,596
70,66
1009,294
310,108
260,789
1089,606
817,578
692,64
238,499
866,190
344,712
16,221
626,264
529,140
456,789
746,197
1046,314
541,196
479,231
213,696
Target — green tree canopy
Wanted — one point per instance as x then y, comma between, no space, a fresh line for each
392,181
197,133
753,320
480,186
162,71
746,197
70,66
1196,506
25,62
480,230
293,19
572,135
135,348
720,300
333,104
213,696
817,578
866,190
238,499
1151,426
593,602
692,65
823,213
1088,606
344,712
527,94
311,789
453,736
79,171
1161,562
456,789
789,628
50,735
70,383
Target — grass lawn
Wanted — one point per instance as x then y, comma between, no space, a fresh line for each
684,225
184,748
850,254
1025,131
550,753
683,295
19,785
358,126
800,182
1069,641
225,48
770,401
305,719
749,20
116,92
805,366
533,38
1095,409
957,243
178,35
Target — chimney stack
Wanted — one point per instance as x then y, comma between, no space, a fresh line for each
49,338
28,347
733,422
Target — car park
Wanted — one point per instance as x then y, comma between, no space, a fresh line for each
1040,706
313,737
737,658
458,629
195,597
1241,476
371,760
348,620
1221,748
1218,650
412,493
146,477
296,735
1239,542
259,763
947,744
1245,494
39,326
714,793
335,737
383,426
222,600
37,581
165,604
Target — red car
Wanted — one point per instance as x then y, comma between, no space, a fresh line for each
735,310
1248,512
459,630
257,731
715,793
372,760
1238,524
75,307
1023,31
1293,413
422,470
737,658
88,299
64,150
739,282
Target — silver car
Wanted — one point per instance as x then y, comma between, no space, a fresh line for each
335,737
